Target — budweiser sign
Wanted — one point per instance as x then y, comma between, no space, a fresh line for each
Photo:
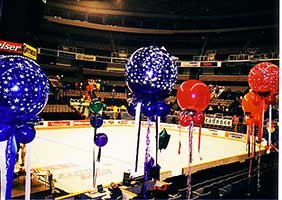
11,47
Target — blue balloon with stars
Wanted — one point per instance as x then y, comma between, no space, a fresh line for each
24,89
150,73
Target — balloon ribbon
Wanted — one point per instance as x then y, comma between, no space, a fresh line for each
199,141
179,143
137,117
157,138
11,152
147,156
94,174
190,142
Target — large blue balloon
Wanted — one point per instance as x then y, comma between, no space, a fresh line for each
101,139
24,88
25,133
96,121
150,73
5,131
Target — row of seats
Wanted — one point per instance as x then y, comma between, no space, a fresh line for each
234,88
220,181
74,93
222,102
57,108
111,95
116,83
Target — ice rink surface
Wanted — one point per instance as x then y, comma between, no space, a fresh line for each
68,153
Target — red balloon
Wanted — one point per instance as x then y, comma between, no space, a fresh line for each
184,119
255,98
252,107
193,95
264,77
199,118
249,121
270,99
257,119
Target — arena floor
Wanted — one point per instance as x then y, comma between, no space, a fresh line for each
68,154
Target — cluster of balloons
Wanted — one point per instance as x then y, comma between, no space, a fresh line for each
24,90
96,122
193,96
150,76
263,80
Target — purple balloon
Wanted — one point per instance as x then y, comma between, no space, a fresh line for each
101,139
162,109
25,133
5,132
149,109
96,121
131,108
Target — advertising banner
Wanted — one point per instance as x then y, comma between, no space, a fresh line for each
11,47
85,57
218,121
29,51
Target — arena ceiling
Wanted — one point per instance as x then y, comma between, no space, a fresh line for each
188,24
196,8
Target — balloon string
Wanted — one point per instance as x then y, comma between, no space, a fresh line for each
96,173
254,141
269,125
147,156
27,178
248,138
157,138
250,131
199,141
262,121
99,155
94,166
138,118
3,169
179,143
258,172
190,142
11,151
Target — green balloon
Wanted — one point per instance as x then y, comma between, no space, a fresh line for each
95,106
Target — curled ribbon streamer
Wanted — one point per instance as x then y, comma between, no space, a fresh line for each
190,138
138,130
3,168
269,124
27,177
147,156
11,152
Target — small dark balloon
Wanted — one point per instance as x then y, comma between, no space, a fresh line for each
101,139
96,121
25,133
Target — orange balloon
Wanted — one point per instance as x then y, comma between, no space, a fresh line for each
252,104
